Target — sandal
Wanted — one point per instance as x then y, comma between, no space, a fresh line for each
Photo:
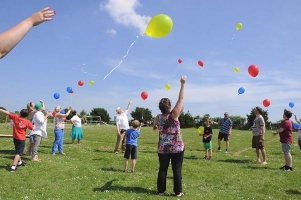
180,195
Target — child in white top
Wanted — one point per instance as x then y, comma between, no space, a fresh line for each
77,132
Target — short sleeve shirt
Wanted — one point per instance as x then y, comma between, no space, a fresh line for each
20,126
132,136
207,131
77,121
225,124
286,136
122,121
257,124
170,136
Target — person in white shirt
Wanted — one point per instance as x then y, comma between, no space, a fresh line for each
77,132
39,120
122,124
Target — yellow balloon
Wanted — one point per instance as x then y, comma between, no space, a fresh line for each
167,86
201,130
91,82
159,26
238,26
236,69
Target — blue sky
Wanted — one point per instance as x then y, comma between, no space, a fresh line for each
98,34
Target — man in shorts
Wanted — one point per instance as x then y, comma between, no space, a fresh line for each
258,130
286,139
225,131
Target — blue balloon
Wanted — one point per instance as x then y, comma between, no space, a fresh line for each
241,90
69,89
63,112
56,95
296,125
291,104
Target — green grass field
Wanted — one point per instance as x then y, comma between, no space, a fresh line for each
92,171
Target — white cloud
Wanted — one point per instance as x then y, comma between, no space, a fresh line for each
111,31
123,12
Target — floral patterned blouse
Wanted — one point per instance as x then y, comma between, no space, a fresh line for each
59,123
170,137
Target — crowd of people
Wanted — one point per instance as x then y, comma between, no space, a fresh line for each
170,144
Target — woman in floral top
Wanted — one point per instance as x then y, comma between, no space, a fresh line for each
170,145
59,126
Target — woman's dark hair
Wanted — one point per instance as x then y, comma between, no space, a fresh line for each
74,112
164,105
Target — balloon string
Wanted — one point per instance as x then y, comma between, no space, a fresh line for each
176,70
88,73
233,37
127,53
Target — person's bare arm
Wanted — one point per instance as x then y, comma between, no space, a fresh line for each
178,107
10,38
296,119
129,105
155,124
4,111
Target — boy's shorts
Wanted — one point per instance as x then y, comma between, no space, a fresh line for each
208,145
257,142
130,151
19,146
286,148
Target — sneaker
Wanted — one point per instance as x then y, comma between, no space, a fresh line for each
283,168
22,164
209,158
219,149
12,170
226,151
205,158
132,171
125,171
116,152
288,168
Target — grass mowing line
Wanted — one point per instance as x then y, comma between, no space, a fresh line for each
249,148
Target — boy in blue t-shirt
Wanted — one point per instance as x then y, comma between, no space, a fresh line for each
131,145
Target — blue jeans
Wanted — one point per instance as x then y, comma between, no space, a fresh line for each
58,140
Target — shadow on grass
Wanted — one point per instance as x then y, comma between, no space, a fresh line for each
110,187
192,157
111,169
234,161
7,151
292,192
103,151
259,166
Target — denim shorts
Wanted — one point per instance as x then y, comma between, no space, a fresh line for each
286,148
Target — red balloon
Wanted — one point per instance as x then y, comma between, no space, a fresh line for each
144,95
72,91
180,61
65,119
80,83
253,70
266,102
53,113
201,63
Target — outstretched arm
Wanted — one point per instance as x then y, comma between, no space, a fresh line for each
4,111
178,107
296,119
129,105
10,38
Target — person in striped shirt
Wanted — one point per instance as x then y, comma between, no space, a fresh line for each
225,131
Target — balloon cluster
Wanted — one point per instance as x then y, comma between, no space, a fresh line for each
70,90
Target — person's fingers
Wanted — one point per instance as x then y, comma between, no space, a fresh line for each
45,9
